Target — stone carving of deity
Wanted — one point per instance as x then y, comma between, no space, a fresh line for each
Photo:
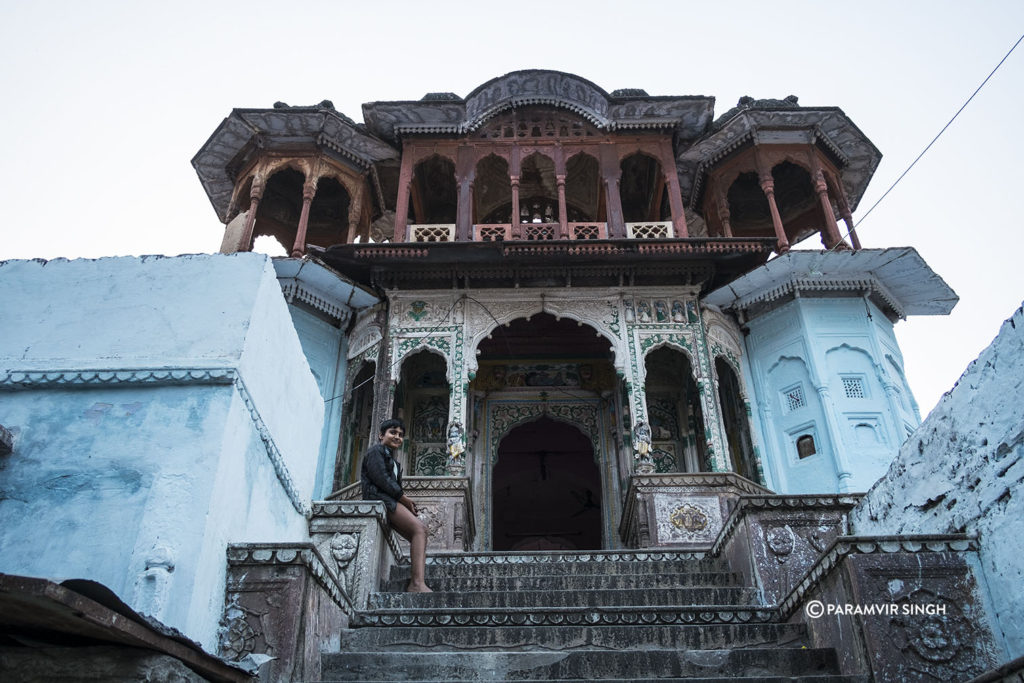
644,310
627,306
343,550
678,315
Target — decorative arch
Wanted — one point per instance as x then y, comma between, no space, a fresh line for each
527,311
405,347
675,346
582,416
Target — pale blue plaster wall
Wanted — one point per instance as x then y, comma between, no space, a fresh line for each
325,347
135,477
831,368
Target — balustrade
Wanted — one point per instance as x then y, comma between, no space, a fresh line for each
432,232
649,230
500,232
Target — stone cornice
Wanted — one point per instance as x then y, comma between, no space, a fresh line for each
20,380
867,283
699,479
303,554
29,380
867,545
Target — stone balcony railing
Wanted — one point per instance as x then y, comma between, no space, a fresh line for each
503,232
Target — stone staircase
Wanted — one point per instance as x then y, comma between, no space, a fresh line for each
586,616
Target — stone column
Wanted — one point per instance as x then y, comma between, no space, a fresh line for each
464,174
563,220
675,197
722,205
250,219
768,187
355,213
610,174
402,204
830,235
515,202
844,211
308,192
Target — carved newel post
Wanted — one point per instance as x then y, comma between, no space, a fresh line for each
456,450
642,448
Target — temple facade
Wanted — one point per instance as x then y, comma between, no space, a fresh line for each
576,293
619,329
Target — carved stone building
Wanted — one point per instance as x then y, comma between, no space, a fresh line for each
575,298
588,309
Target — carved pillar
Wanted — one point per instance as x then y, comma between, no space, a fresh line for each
563,221
384,386
250,220
355,213
675,197
830,236
610,174
402,204
844,211
464,178
308,192
515,201
722,206
768,187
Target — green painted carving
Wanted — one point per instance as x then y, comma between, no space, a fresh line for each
431,461
417,310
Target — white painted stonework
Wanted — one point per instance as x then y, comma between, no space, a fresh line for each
962,470
161,409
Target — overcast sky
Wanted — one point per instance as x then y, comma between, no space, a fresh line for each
105,103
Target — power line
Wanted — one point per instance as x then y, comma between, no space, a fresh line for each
962,107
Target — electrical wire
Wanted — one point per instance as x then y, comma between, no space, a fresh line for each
914,162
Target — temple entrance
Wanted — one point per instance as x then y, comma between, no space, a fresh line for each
546,489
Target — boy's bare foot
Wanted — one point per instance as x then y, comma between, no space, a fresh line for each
417,588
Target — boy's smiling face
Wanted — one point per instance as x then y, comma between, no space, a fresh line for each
393,437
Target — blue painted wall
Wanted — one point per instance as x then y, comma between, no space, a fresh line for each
829,368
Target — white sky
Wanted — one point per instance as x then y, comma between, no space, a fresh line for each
105,103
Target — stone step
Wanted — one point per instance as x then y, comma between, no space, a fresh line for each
583,597
544,582
538,565
591,665
827,678
711,636
617,615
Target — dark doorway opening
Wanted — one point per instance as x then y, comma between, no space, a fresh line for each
547,490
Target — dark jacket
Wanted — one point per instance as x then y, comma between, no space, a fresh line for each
379,481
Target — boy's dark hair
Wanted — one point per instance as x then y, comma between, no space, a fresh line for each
388,424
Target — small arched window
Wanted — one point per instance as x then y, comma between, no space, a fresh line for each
805,446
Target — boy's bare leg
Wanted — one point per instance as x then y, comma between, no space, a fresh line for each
412,530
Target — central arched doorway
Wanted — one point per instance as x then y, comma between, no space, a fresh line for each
546,489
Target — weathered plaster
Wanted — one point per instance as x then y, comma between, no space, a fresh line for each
962,471
162,408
